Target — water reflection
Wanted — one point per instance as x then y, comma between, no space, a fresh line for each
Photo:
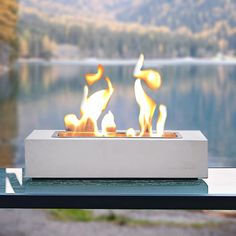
37,96
8,119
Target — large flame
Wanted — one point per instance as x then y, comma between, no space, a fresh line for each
91,107
147,109
147,105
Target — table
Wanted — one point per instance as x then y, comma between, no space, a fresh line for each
216,192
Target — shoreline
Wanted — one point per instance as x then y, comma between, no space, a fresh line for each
129,62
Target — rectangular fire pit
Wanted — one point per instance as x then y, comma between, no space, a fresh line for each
48,155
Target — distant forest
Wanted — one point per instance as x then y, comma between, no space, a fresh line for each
38,38
123,28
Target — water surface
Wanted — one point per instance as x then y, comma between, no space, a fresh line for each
38,95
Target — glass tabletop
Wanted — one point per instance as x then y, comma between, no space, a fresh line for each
220,185
220,181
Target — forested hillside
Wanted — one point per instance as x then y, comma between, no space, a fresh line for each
8,37
124,28
196,15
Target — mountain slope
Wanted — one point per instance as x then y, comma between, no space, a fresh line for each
196,15
124,28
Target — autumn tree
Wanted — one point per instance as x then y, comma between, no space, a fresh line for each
48,47
8,21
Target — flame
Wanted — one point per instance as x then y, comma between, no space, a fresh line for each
108,125
161,120
147,108
92,78
151,77
130,132
91,107
94,105
147,105
71,122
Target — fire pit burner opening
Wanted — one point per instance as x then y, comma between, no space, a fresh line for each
118,134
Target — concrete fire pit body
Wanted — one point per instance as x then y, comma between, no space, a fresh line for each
47,156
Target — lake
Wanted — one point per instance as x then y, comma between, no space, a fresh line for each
38,95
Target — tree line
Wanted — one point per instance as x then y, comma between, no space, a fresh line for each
39,38
31,35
